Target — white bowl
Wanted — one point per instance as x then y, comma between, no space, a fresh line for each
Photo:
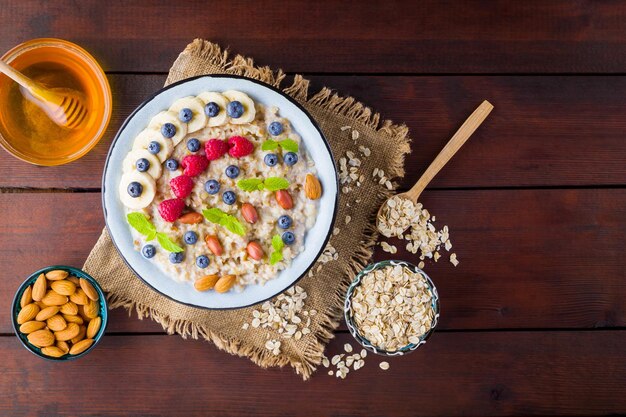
315,239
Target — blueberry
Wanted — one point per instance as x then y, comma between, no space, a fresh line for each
290,158
275,128
289,238
185,115
135,189
202,261
211,109
148,251
142,165
154,147
232,171
229,198
235,109
171,164
177,257
168,130
190,237
284,222
212,187
270,159
193,145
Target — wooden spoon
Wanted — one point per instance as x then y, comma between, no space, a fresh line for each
64,106
460,137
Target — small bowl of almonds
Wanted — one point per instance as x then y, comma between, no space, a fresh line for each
59,313
391,308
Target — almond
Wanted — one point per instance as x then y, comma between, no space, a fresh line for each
68,333
27,296
39,288
69,308
74,280
63,346
52,351
63,287
79,297
56,275
41,338
283,198
255,251
249,213
73,318
81,313
27,313
91,309
225,283
80,336
89,289
45,313
81,346
191,218
312,187
53,298
32,326
205,283
56,323
214,245
93,327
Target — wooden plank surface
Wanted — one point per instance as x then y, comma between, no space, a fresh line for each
503,373
325,36
544,130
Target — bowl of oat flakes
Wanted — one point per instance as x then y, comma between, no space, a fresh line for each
392,307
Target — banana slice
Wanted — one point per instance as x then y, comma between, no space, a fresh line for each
170,117
147,193
153,135
221,101
199,119
128,165
248,106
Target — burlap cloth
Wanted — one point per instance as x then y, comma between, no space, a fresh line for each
326,286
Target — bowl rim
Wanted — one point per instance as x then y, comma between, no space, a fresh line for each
262,84
411,347
31,278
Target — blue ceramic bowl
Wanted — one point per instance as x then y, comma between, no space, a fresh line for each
15,309
350,321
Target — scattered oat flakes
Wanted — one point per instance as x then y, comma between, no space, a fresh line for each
348,218
347,348
453,259
355,134
273,346
388,248
384,365
344,128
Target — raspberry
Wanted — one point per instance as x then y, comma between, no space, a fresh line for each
215,149
194,165
240,147
170,210
181,186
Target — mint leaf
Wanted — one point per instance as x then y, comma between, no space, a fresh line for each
289,145
167,244
217,216
140,223
214,215
234,225
250,184
277,243
276,183
276,257
269,145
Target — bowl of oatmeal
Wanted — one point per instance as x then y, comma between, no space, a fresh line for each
220,191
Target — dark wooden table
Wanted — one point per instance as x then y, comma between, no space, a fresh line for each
533,319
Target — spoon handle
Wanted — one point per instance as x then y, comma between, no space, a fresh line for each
19,78
460,137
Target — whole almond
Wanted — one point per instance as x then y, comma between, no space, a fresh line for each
249,213
41,338
255,251
39,288
53,298
225,283
52,351
214,245
27,296
69,308
27,313
283,198
81,314
312,187
32,326
68,333
73,318
74,280
63,346
81,346
191,218
91,309
79,297
80,336
93,327
205,283
63,287
89,289
45,313
56,275
56,323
